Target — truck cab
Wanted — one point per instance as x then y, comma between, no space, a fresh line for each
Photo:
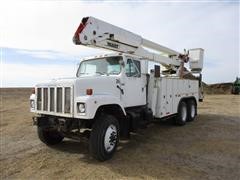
119,79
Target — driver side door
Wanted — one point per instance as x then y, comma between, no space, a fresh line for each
134,84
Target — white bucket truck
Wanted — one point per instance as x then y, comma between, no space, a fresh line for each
115,94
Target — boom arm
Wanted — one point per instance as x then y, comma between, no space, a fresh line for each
96,33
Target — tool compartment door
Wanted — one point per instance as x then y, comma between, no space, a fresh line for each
164,107
169,93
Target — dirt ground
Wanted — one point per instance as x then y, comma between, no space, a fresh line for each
208,148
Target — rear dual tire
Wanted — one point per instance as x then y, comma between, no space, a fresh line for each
191,110
187,111
181,118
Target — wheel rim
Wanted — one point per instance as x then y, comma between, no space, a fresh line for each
110,138
192,111
184,113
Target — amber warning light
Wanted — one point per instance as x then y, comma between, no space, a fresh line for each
89,91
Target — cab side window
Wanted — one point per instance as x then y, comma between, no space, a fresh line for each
133,68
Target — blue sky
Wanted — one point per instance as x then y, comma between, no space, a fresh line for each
36,37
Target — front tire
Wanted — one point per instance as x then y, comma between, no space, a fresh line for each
104,137
182,114
49,137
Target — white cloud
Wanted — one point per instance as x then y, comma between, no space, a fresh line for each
39,54
44,54
24,75
50,25
42,25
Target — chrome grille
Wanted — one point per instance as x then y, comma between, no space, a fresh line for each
39,98
54,100
67,100
59,99
45,99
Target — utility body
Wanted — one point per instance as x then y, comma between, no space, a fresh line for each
113,95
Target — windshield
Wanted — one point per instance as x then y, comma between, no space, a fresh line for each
101,66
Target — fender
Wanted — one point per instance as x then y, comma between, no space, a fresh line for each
93,102
187,98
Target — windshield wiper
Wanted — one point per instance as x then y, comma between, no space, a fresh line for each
102,73
82,73
114,72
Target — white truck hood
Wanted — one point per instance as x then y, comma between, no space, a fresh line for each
101,85
58,82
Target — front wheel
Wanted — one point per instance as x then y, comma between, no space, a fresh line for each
104,137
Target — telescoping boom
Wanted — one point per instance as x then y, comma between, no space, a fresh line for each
97,33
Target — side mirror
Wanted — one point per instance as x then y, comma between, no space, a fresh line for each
156,71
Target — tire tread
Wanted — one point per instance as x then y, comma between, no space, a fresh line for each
96,146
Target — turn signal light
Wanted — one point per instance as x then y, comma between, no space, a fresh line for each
89,91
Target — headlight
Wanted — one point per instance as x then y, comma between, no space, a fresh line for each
81,107
32,104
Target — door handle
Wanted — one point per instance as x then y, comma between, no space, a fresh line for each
120,89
